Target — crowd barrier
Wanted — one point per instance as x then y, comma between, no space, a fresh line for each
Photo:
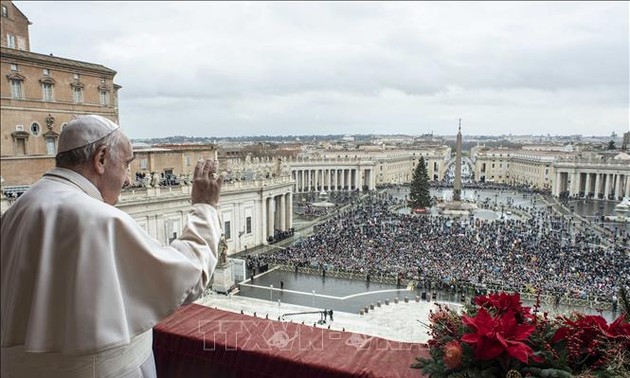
467,288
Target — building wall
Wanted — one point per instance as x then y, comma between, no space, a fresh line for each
32,119
492,166
516,167
397,166
162,211
18,171
180,160
14,23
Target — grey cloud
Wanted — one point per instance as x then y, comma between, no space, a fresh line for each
215,68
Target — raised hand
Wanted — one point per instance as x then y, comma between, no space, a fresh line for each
206,183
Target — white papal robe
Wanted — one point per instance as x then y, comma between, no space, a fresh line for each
83,283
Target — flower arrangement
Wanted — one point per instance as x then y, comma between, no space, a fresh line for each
498,337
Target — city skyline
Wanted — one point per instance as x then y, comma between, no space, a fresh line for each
244,69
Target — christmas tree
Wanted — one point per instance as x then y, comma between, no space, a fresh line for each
419,192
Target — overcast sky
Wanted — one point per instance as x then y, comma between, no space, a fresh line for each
292,68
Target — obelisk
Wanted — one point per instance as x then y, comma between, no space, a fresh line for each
457,184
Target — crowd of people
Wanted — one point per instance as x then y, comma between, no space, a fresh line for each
541,252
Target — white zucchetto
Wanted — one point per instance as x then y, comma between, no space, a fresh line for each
84,130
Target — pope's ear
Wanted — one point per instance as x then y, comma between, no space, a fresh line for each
98,159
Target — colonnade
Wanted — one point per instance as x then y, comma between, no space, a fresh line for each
613,185
328,179
277,213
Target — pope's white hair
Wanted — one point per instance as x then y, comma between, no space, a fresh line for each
83,155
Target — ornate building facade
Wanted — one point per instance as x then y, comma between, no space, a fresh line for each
249,211
584,174
39,94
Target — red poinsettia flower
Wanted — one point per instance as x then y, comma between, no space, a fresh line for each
494,336
619,328
453,354
502,302
588,327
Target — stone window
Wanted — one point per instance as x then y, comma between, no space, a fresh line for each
10,41
248,225
14,67
19,137
47,91
77,93
104,95
46,72
51,147
5,11
16,89
103,91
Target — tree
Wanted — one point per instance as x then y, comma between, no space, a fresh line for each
419,195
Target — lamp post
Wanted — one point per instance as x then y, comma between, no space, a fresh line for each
271,292
495,199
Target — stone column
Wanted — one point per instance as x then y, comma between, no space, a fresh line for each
263,217
283,213
574,181
349,179
618,186
607,181
372,179
331,173
556,186
270,217
279,215
587,189
352,176
289,211
309,179
342,177
627,191
598,184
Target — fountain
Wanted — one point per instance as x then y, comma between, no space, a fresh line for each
622,212
322,200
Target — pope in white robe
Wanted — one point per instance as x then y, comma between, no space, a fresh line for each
83,284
